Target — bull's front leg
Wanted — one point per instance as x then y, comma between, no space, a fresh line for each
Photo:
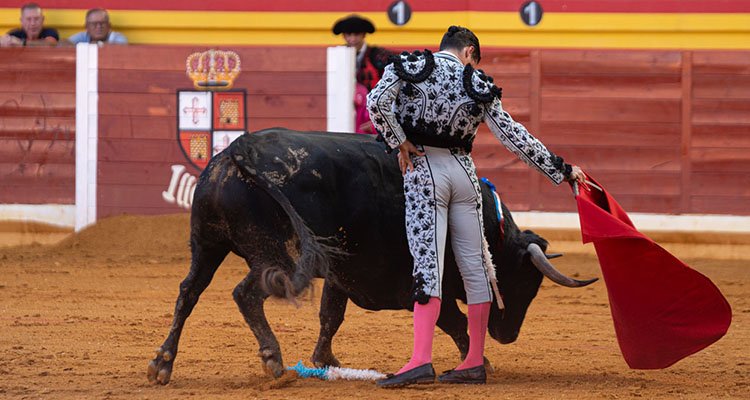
332,310
250,298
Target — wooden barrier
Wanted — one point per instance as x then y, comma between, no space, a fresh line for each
37,126
138,117
665,131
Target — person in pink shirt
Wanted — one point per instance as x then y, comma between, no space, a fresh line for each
362,122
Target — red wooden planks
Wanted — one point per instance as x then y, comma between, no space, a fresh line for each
727,159
36,102
600,110
38,127
721,86
612,86
37,59
610,62
721,135
261,82
729,111
498,63
172,58
48,80
735,205
258,106
38,193
37,151
721,62
611,133
721,183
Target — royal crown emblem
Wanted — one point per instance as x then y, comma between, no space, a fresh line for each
213,69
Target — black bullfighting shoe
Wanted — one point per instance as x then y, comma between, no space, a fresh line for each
475,375
423,374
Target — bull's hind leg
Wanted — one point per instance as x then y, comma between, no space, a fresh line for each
249,297
332,309
205,261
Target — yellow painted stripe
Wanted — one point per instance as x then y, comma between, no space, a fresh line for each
495,29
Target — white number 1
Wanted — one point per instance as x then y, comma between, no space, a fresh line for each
399,10
531,11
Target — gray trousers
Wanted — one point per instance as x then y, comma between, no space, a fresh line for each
443,192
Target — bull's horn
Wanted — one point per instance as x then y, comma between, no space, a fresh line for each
539,259
553,255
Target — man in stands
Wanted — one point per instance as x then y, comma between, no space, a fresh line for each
98,30
371,62
32,31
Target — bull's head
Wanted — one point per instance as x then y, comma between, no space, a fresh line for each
521,264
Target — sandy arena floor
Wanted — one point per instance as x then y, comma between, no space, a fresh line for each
81,319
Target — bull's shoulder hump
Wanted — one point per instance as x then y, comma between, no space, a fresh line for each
414,67
480,86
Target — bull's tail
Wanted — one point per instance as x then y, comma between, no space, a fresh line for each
315,257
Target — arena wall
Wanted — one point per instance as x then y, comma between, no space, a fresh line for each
665,131
286,86
37,134
638,24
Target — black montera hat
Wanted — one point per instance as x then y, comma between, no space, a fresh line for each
353,24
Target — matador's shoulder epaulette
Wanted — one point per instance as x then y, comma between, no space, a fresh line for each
414,67
480,86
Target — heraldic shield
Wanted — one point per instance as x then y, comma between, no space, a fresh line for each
208,121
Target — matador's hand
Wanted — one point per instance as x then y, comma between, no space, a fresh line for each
404,160
576,175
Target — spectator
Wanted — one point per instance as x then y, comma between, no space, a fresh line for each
32,31
98,29
371,62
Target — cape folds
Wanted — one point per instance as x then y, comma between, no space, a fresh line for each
663,310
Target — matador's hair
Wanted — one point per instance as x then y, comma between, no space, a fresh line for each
458,37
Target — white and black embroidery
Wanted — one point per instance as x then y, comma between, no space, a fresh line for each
479,86
517,139
380,104
414,67
419,191
445,110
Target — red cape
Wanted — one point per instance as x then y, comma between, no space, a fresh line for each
662,309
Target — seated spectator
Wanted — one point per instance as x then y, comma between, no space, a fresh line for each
32,31
98,29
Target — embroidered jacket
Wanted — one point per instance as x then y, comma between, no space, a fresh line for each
433,100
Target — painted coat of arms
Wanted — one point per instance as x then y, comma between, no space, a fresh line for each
210,117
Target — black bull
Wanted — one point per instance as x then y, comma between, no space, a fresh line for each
271,197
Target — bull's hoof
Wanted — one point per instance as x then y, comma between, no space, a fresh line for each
488,367
272,364
160,368
325,360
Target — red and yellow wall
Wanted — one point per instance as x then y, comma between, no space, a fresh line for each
638,24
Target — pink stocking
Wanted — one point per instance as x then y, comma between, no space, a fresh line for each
425,318
479,315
